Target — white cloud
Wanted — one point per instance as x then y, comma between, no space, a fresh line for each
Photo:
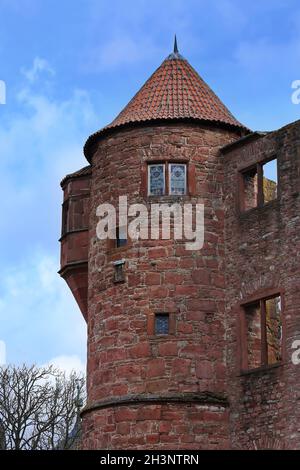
2,353
39,66
68,364
38,315
39,143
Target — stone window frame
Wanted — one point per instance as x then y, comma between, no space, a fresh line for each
190,178
119,271
151,324
260,296
258,166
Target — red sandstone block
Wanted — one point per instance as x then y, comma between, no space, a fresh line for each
193,350
152,438
123,428
181,367
174,278
152,279
133,280
201,304
157,386
186,290
201,276
156,253
218,280
183,327
156,368
158,292
169,348
153,413
125,414
164,426
204,369
128,371
214,416
142,427
116,354
140,350
172,415
164,264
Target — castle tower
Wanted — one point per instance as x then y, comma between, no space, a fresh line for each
155,309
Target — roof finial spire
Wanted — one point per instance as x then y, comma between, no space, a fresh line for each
175,45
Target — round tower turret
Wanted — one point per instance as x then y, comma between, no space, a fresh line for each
156,332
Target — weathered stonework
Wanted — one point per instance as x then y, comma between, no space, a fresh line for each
188,389
261,255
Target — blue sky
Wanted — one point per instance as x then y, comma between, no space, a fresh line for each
69,68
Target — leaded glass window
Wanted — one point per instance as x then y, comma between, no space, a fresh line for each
156,180
161,323
177,179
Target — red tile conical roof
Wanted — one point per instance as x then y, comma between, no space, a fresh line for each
174,91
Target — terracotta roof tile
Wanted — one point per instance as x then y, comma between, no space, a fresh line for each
174,91
85,171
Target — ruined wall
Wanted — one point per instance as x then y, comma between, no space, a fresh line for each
183,373
262,251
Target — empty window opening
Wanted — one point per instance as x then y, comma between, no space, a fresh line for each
161,323
250,189
253,321
259,185
270,180
264,332
274,329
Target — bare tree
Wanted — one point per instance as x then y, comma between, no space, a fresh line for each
39,408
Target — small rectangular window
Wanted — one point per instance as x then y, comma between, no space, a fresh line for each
264,332
119,275
161,323
65,217
177,179
156,180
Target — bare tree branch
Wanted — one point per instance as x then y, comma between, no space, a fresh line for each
39,408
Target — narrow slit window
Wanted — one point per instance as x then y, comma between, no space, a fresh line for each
119,274
121,237
161,323
65,217
264,332
270,180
